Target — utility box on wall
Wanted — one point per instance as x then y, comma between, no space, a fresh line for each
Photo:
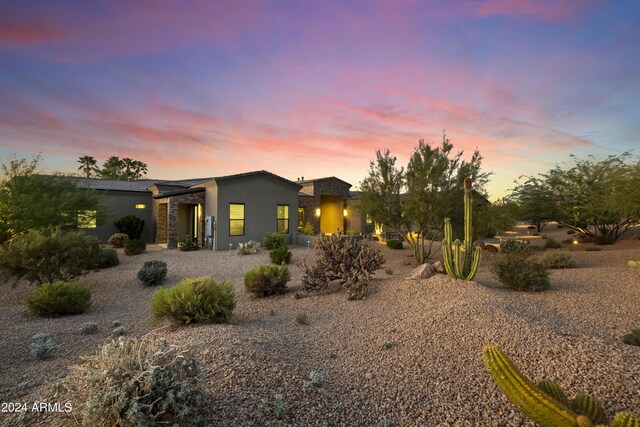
209,231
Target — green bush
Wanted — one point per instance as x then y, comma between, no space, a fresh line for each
556,259
604,240
521,274
49,255
280,254
552,244
195,300
59,299
516,247
394,244
274,240
152,272
571,231
266,280
43,347
308,230
133,382
251,247
117,240
107,258
632,338
134,247
188,244
130,225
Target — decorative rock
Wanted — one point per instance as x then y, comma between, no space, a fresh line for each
424,271
439,267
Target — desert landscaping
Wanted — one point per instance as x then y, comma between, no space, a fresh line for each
409,353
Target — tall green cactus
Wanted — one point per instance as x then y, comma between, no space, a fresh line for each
452,258
546,404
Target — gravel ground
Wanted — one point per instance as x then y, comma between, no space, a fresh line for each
409,354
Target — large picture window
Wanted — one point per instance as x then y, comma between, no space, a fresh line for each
236,219
283,219
300,218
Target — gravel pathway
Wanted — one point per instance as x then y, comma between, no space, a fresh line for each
409,354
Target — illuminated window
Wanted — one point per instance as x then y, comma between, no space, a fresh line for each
141,206
86,219
300,218
236,219
368,219
283,219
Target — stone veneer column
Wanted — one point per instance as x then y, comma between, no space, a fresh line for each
172,226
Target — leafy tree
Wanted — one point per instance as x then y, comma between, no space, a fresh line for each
414,201
29,200
88,166
535,202
494,218
597,198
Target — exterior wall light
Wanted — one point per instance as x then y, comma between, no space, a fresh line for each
344,212
140,206
317,211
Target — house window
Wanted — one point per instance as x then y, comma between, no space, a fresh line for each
236,219
283,219
368,219
300,218
86,219
140,206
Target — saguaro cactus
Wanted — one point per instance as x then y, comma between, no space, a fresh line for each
546,404
454,264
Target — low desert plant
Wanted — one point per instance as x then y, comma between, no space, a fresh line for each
347,261
556,259
302,319
308,229
571,231
43,347
118,331
132,382
266,280
89,328
130,225
387,345
552,244
632,338
521,274
316,379
251,247
531,227
593,249
280,254
274,240
388,270
59,299
188,243
106,258
351,232
394,244
516,246
195,300
117,240
46,256
134,247
152,272
604,240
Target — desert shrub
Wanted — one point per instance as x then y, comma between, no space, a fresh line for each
394,244
89,328
117,240
106,258
195,300
632,338
308,229
251,247
302,319
516,246
274,240
531,227
188,243
593,249
349,262
552,244
46,256
42,346
389,271
521,274
134,247
266,280
152,272
604,240
133,382
118,331
556,259
130,225
280,254
351,232
571,231
59,299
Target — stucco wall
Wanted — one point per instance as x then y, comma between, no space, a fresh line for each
118,204
260,194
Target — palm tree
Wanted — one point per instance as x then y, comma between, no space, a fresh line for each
112,168
139,169
88,165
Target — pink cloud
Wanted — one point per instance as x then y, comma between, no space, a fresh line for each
544,10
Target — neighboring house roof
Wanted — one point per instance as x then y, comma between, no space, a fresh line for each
179,192
253,173
309,181
116,184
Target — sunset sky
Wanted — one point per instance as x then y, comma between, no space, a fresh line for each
313,88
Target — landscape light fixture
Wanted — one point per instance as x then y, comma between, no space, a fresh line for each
317,211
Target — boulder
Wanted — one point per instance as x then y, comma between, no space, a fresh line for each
439,267
424,271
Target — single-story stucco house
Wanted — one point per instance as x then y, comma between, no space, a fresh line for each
221,212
